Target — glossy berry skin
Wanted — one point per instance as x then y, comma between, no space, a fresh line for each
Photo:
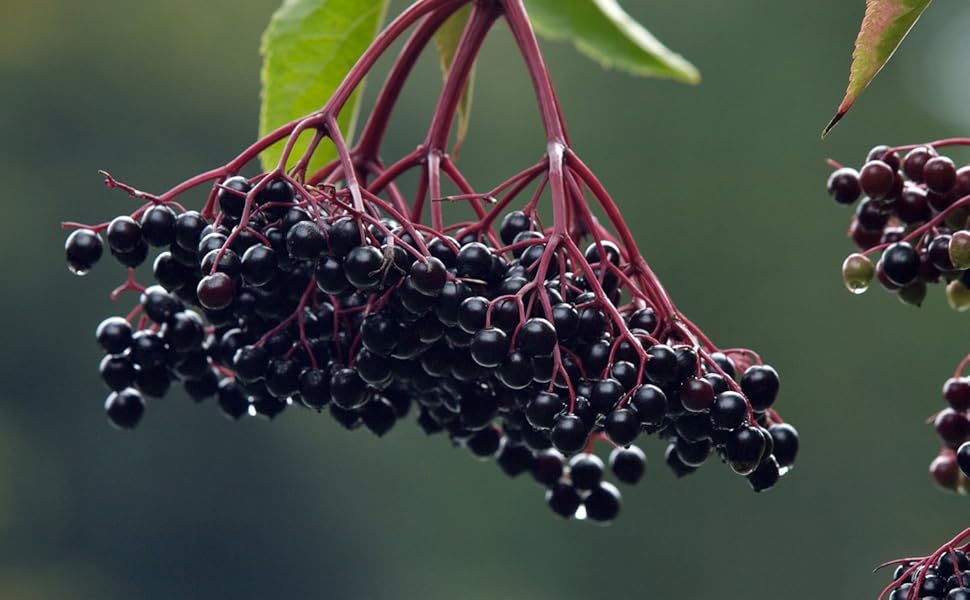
125,408
729,411
548,467
124,234
956,392
585,471
603,503
963,458
953,427
901,263
785,441
877,179
760,385
231,399
489,347
188,230
363,267
117,372
628,464
622,426
215,291
569,434
259,265
765,476
744,450
159,305
347,389
474,261
514,459
650,403
940,174
661,367
232,195
697,395
114,335
429,275
158,226
83,250
541,411
563,499
536,337
304,241
843,185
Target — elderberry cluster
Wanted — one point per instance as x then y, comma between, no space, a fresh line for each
943,576
914,210
951,468
291,296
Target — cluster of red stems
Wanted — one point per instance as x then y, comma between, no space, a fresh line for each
507,335
915,214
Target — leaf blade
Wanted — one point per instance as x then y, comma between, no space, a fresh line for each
603,31
307,49
446,42
885,25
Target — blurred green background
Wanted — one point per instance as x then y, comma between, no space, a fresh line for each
723,185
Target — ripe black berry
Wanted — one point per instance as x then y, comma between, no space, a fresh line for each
232,195
124,235
622,426
901,263
347,389
940,174
585,471
760,384
114,335
843,185
765,476
536,337
83,249
117,372
785,440
650,403
489,347
628,464
363,267
428,275
305,242
125,408
158,226
215,291
563,499
569,434
603,503
877,179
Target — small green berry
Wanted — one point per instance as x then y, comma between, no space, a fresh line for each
960,250
857,273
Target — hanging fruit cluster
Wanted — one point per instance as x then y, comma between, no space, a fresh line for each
528,342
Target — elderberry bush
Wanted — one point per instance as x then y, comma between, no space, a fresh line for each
913,209
529,344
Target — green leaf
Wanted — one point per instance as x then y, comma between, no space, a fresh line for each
446,41
604,32
308,48
885,25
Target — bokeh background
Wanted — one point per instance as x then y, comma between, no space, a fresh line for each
723,185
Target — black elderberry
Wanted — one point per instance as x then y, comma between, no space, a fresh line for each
765,476
347,389
330,276
945,564
188,230
125,408
124,235
205,386
605,395
304,241
536,337
484,443
83,249
373,368
516,371
697,395
380,333
472,314
605,250
960,593
569,434
963,458
158,225
267,406
843,185
744,450
250,362
548,467
114,335
933,587
134,258
159,305
474,261
626,373
603,503
276,191
693,453
760,384
378,416
785,441
215,291
505,315
345,235
512,225
514,459
283,377
622,426
428,275
661,367
314,387
650,403
675,464
585,471
148,350
628,464
900,263
542,410
592,323
232,195
915,161
566,320
170,272
183,331
912,205
489,347
563,499
117,372
364,267
232,399
877,179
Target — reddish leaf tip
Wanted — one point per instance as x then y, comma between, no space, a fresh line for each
835,120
